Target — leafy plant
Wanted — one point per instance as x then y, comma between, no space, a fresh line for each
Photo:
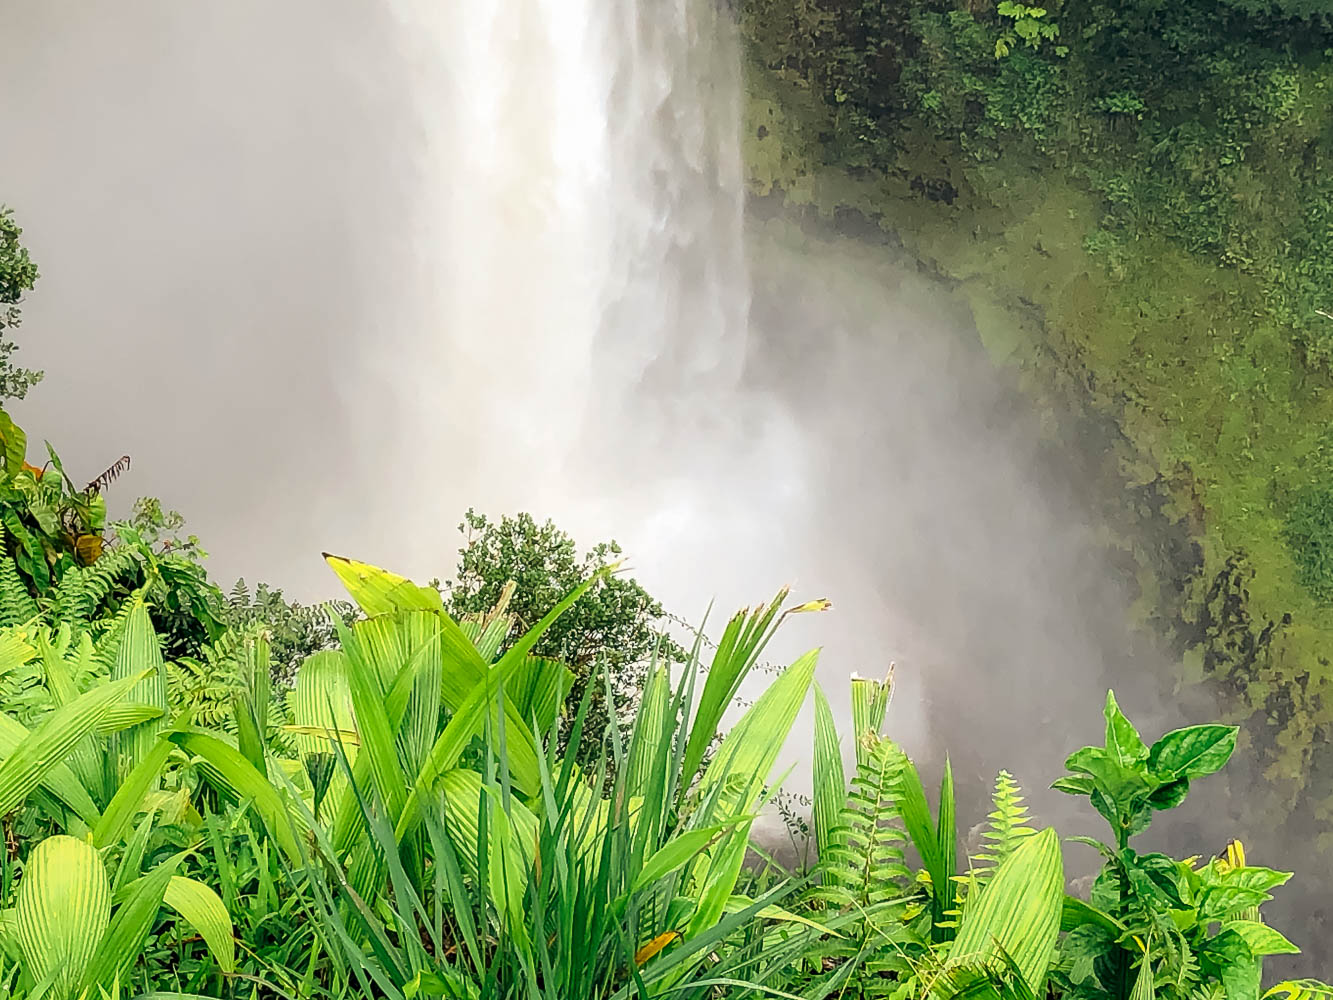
68,938
1025,24
618,624
1006,829
18,274
1183,926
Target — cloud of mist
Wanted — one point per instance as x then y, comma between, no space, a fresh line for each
333,272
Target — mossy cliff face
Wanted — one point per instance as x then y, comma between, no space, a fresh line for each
1202,411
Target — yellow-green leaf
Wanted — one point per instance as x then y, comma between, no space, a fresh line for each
62,911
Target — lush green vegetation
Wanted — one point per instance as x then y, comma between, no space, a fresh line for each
237,796
386,807
1133,200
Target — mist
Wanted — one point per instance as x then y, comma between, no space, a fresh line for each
333,272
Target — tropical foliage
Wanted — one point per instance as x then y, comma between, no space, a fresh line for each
247,798
403,823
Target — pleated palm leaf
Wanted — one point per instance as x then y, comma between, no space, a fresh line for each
548,887
75,933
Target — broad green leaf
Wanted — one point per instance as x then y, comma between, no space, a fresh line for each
1170,795
1076,913
461,793
1261,939
773,912
1192,752
749,751
13,444
739,648
917,818
739,774
203,909
1127,786
127,715
250,704
677,852
59,780
1301,989
366,681
946,892
538,688
1144,988
1073,785
651,726
1228,957
15,650
1255,877
1018,912
139,655
870,702
62,911
321,700
123,942
1123,742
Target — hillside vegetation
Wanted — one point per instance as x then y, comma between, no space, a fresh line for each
1134,201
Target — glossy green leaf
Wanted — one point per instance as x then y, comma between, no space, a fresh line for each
1192,752
1123,742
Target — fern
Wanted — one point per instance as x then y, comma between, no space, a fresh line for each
866,867
205,686
108,632
1301,989
203,690
112,570
16,604
1007,827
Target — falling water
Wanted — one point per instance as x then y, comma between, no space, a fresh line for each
582,211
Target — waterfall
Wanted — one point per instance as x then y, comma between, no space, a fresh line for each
581,223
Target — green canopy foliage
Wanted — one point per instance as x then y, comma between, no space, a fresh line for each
18,274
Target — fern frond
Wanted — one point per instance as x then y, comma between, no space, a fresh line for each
205,685
112,569
82,590
1301,989
16,604
866,866
109,632
199,688
1007,827
71,600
